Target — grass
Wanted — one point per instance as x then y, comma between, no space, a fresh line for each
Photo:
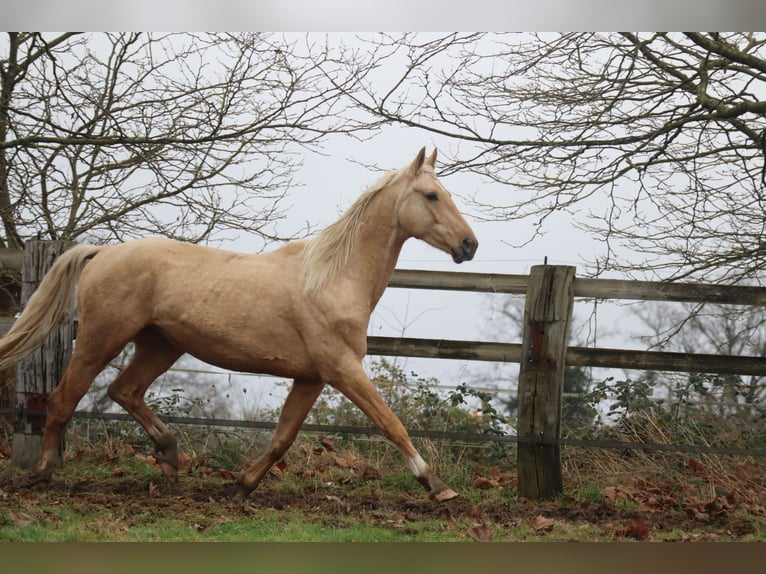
363,492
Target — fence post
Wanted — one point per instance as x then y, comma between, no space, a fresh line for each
547,317
39,373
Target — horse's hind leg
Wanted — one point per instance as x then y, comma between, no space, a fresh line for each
153,355
299,401
83,367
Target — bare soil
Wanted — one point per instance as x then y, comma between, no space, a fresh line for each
342,488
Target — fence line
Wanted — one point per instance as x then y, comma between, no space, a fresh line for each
468,437
549,291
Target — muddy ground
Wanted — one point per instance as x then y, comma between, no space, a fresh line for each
340,492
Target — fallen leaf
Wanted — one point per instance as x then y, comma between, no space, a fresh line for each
281,466
249,508
484,483
154,490
612,493
327,443
480,532
117,471
340,505
184,461
541,523
694,466
749,471
146,459
637,529
474,512
227,474
347,459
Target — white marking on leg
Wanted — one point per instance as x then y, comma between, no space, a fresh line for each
418,465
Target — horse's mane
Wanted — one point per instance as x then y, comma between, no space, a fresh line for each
326,255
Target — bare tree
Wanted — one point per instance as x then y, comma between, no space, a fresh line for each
112,136
724,330
652,141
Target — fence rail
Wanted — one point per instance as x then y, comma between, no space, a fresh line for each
577,356
550,292
462,436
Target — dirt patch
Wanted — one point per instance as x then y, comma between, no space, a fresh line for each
334,491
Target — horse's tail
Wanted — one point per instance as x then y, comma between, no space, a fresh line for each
47,304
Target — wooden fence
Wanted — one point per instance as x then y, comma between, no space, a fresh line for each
542,354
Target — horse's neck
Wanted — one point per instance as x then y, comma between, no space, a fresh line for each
376,248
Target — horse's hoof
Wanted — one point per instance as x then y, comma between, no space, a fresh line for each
234,492
170,472
444,495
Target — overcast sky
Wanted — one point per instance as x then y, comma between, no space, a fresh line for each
327,185
355,15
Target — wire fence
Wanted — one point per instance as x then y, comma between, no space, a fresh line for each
467,437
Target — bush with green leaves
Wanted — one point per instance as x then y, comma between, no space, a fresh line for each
419,403
636,411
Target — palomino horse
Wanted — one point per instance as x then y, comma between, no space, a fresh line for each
300,311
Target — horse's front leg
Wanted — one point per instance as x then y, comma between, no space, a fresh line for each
354,383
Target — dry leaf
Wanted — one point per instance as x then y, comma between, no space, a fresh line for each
281,466
347,459
612,493
694,466
227,474
480,532
327,443
541,523
146,459
340,505
636,529
154,490
184,461
474,512
484,483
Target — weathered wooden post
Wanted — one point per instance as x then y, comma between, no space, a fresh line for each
547,317
39,373
10,299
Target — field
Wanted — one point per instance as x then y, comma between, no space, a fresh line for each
328,492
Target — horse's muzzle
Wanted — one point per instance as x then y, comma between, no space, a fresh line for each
465,251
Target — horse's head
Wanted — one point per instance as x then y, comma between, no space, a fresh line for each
426,211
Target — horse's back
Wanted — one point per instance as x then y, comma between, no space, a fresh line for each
231,309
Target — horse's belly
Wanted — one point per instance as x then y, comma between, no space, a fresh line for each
283,356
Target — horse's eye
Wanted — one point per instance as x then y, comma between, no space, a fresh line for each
432,196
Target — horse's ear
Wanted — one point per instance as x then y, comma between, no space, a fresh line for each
432,159
418,163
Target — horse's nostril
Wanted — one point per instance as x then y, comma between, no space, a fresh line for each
469,245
